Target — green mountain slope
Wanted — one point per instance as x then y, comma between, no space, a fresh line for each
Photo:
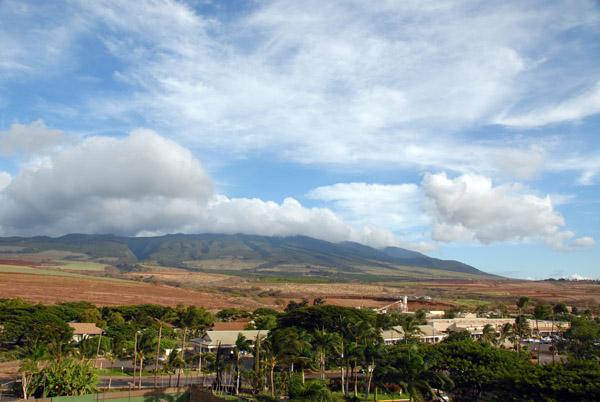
257,255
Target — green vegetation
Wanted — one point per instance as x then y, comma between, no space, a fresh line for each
321,338
291,257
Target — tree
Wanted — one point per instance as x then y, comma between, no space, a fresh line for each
145,348
316,390
280,347
574,380
172,364
522,303
192,318
559,308
114,350
60,344
241,345
372,354
582,338
540,312
420,317
489,335
325,342
293,305
506,333
475,367
413,372
66,377
410,328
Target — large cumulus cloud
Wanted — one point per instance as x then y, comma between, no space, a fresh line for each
145,184
470,208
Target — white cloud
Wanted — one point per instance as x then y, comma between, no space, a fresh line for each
521,164
105,184
395,207
470,208
583,242
332,83
573,109
146,184
5,180
29,140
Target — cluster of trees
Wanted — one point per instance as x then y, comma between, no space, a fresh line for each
322,338
41,337
348,340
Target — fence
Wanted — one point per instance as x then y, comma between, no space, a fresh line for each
181,394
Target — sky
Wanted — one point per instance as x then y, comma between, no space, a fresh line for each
466,130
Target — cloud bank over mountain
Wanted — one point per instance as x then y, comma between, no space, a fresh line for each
145,184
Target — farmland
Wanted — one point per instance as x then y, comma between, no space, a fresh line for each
51,277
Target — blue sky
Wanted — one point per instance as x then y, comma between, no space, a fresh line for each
466,130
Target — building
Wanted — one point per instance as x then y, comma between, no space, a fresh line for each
210,341
84,330
428,334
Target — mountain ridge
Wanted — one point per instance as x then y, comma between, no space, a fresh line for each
254,254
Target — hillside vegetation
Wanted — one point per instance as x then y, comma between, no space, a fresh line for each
252,255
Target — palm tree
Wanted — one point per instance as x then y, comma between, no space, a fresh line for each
172,363
506,332
558,308
144,348
355,354
410,328
325,342
113,351
540,312
280,347
522,302
60,345
86,349
420,317
241,345
30,354
489,335
372,353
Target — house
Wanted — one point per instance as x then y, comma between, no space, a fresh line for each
84,330
428,334
210,341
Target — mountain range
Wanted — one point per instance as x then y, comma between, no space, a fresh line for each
252,255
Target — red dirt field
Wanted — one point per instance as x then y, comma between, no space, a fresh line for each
215,291
53,289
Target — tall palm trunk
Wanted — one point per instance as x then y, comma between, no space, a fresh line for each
370,370
539,345
112,363
98,349
355,379
134,356
157,354
341,368
141,369
272,382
